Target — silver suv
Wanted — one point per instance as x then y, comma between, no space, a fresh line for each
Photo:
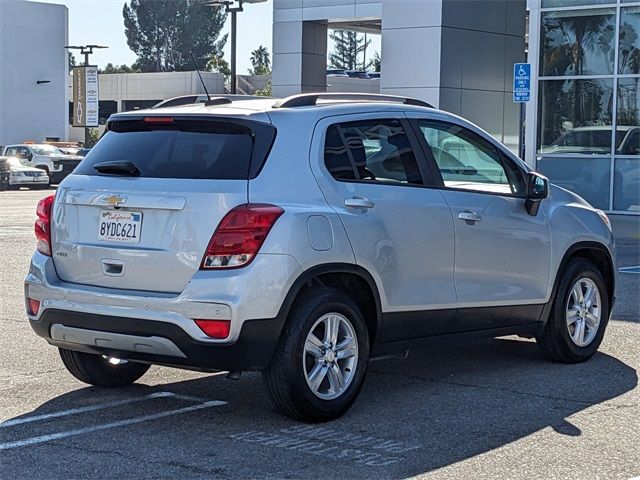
303,237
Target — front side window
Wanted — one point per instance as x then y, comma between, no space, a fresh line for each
468,162
372,150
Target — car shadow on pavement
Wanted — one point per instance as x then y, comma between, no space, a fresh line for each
440,406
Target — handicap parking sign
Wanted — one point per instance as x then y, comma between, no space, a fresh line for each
521,82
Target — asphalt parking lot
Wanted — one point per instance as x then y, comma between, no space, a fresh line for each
491,409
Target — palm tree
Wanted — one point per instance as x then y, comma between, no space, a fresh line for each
261,61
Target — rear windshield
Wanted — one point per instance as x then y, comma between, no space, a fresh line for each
191,149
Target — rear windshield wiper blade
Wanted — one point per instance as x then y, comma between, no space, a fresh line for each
118,168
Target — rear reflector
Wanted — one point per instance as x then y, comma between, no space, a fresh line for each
33,306
215,328
43,225
239,236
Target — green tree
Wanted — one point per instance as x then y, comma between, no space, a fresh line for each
71,60
261,61
375,63
111,68
349,50
163,33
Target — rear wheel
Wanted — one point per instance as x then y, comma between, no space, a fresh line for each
579,315
102,371
319,365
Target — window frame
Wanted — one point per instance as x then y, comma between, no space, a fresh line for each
426,173
505,159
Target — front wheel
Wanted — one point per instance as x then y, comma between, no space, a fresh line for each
579,315
319,365
101,371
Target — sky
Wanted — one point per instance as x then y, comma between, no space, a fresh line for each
100,22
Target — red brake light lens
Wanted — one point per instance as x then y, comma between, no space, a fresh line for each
33,307
215,328
158,119
43,225
239,236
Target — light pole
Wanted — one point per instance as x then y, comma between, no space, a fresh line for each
85,50
232,7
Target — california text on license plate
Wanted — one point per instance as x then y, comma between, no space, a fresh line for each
121,227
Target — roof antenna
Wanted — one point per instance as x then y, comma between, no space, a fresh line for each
201,80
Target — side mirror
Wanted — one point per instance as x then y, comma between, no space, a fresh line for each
537,190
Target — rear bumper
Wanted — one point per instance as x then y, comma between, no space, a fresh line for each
158,342
145,326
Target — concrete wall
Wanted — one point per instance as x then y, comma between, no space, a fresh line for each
345,84
32,40
157,86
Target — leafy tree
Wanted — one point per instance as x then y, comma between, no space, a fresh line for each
266,91
163,33
375,63
71,60
261,61
217,63
348,48
111,68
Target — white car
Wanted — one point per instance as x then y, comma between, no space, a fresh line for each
46,157
21,175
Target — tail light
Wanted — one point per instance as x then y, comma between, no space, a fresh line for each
239,236
43,225
215,328
33,307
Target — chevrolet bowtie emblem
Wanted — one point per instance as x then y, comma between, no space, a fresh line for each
115,200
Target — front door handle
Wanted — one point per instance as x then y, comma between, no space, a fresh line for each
469,217
359,202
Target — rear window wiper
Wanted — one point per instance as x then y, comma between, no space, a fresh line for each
118,168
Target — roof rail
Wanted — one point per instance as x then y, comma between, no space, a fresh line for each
311,99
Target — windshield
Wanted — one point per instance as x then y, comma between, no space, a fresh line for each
183,148
46,150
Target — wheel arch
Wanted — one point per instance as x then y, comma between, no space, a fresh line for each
352,279
596,253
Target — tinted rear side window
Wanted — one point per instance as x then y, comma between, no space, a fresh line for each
192,149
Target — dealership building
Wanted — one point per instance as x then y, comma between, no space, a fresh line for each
581,126
582,123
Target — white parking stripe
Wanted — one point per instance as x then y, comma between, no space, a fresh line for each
93,408
105,426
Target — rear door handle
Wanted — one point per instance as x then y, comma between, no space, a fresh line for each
359,202
469,217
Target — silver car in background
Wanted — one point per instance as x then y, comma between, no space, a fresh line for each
303,237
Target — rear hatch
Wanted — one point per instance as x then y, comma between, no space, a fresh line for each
139,211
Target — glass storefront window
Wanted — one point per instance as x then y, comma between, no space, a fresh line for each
629,46
575,116
573,3
628,117
587,176
626,185
577,42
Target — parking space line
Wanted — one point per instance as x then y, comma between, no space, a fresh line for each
93,408
106,426
634,269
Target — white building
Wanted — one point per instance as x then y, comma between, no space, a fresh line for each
33,71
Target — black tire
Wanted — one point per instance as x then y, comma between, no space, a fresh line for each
285,375
555,340
96,370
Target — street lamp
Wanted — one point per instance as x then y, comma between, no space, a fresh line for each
85,50
232,7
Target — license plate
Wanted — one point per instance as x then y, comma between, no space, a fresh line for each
123,227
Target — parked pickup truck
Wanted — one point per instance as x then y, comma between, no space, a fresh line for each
46,157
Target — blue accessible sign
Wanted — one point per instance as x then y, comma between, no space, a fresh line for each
521,82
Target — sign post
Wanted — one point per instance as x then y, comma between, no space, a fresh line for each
521,82
521,95
85,99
